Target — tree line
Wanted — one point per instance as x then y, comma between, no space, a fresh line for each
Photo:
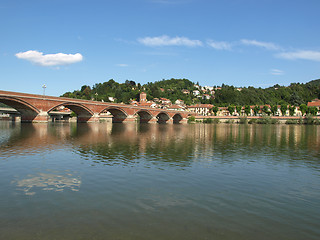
295,94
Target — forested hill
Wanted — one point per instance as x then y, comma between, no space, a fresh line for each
173,89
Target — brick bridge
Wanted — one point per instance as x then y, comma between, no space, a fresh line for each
37,108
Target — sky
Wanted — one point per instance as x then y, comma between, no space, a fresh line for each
65,44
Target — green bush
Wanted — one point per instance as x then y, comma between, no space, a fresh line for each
73,114
216,120
309,119
230,121
274,121
253,120
292,121
191,119
267,120
243,120
207,120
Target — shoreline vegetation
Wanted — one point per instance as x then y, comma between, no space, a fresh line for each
264,119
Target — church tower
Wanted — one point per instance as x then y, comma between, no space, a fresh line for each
143,97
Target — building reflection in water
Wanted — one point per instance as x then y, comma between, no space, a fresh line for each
179,145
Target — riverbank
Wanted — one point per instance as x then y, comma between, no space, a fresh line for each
309,119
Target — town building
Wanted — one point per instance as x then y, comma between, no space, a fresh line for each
165,101
175,107
201,109
314,103
179,102
196,92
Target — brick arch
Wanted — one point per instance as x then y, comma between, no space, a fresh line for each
84,114
145,115
163,117
119,115
78,108
177,118
17,103
28,111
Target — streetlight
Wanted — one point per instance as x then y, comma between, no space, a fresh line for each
44,89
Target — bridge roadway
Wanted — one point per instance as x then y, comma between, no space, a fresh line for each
37,108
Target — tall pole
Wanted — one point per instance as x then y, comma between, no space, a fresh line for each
44,89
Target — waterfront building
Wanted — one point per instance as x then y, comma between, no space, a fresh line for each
202,109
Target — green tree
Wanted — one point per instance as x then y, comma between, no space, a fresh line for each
215,109
86,92
295,99
247,110
238,108
283,108
312,110
256,110
231,109
265,109
191,119
274,109
303,109
291,110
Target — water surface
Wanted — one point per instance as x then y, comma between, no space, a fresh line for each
151,181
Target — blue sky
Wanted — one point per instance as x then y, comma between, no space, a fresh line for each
68,43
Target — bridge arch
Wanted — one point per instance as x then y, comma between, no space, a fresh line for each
177,118
163,117
118,114
28,111
144,116
83,113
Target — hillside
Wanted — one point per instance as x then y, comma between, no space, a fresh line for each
191,93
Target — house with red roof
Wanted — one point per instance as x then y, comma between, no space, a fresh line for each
314,103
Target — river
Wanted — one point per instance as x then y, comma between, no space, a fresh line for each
159,181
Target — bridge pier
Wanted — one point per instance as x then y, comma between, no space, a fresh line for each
94,118
184,121
129,118
42,116
170,120
153,120
149,120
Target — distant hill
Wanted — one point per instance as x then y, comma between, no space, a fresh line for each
314,82
191,93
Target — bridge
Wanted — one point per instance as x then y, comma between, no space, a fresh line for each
37,108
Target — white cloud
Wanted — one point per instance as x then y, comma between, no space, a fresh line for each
122,65
219,45
168,41
49,59
276,72
305,55
266,45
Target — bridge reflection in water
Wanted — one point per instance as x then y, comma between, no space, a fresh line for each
178,143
